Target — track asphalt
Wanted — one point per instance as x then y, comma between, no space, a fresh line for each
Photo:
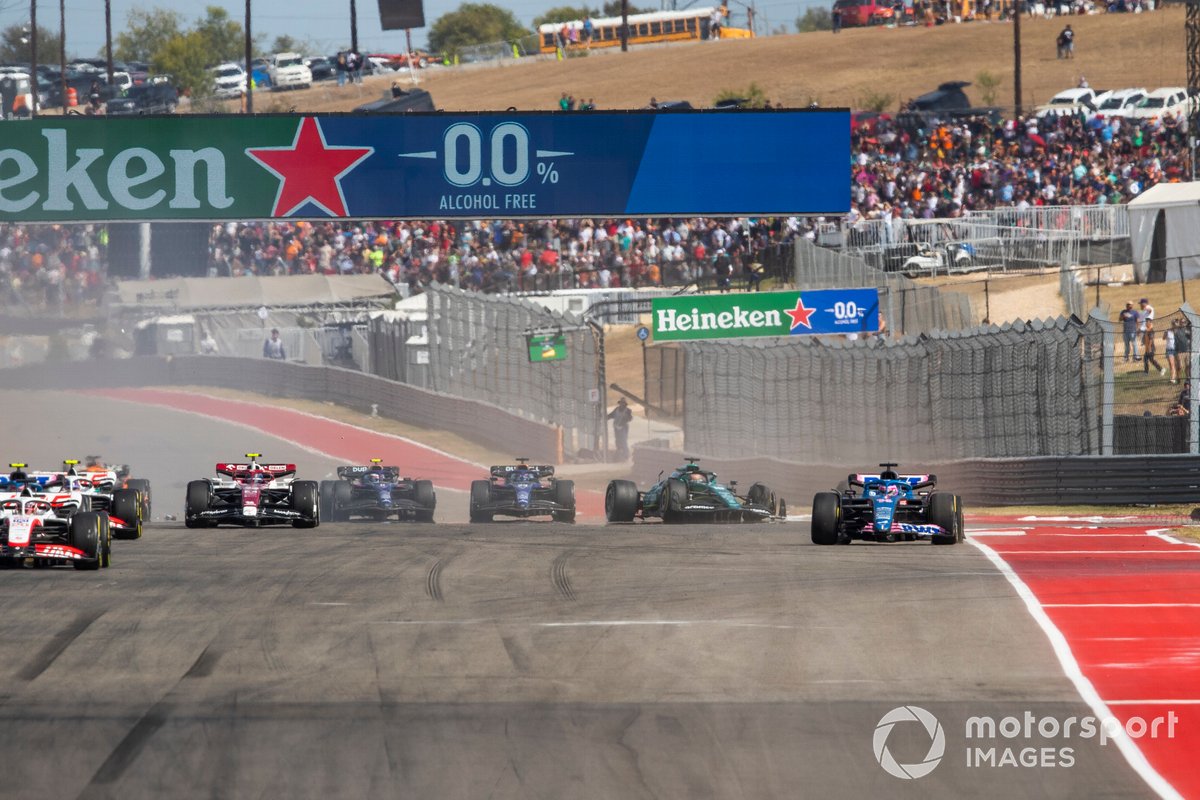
514,659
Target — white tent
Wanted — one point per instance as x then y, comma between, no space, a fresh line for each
1164,224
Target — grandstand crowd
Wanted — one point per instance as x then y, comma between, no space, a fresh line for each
895,171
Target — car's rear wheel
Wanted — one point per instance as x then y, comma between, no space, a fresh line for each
426,498
328,503
945,511
481,496
306,500
564,496
198,497
826,518
142,487
620,501
342,496
125,507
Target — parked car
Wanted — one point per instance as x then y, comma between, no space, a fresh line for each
1169,100
1073,101
229,80
859,13
149,98
323,68
287,71
1120,103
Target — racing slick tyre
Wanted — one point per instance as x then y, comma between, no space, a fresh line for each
826,517
327,502
142,487
424,496
564,495
342,496
305,499
87,534
620,501
198,493
761,495
481,495
945,511
127,507
674,500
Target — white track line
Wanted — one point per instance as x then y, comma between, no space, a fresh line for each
1058,642
1166,536
1098,552
1189,702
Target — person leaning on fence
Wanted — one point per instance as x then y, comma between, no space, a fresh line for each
1129,330
1172,354
273,347
1150,349
1183,348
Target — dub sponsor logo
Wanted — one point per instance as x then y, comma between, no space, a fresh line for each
765,314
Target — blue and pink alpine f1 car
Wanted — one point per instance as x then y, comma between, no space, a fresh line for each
887,507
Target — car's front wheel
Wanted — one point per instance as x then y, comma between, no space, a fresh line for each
826,518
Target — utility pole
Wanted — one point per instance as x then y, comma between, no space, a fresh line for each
33,62
108,39
1017,54
249,64
624,26
354,26
62,51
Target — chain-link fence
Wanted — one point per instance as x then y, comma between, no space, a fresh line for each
478,349
665,379
1024,389
907,307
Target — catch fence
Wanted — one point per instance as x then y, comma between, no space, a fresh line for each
478,349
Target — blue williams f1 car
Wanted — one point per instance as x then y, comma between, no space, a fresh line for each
690,494
887,507
523,490
377,492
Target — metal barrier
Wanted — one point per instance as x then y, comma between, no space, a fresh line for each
1060,480
474,420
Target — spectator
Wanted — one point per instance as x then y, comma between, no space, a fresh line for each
1129,330
835,17
1150,349
586,33
208,345
1145,316
273,347
1169,350
342,68
1066,43
621,417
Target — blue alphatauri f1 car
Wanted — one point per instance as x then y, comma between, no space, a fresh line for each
523,490
887,507
377,492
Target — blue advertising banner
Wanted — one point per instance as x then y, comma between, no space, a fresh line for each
725,316
421,166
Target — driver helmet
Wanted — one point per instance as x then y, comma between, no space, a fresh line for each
259,477
696,477
373,477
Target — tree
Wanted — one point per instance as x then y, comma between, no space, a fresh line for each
146,32
816,18
473,23
186,58
16,47
562,14
613,9
222,36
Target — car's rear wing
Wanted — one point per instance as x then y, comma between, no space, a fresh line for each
276,470
388,473
503,471
915,481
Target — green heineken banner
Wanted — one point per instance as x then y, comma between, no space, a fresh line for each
723,316
546,346
421,166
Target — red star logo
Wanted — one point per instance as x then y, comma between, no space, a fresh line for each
309,170
800,314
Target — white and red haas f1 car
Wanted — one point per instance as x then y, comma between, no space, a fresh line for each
50,525
124,507
252,495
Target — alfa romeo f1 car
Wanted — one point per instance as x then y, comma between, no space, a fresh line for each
523,490
377,492
49,526
252,495
887,507
691,494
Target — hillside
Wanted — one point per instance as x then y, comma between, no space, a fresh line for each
1113,51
